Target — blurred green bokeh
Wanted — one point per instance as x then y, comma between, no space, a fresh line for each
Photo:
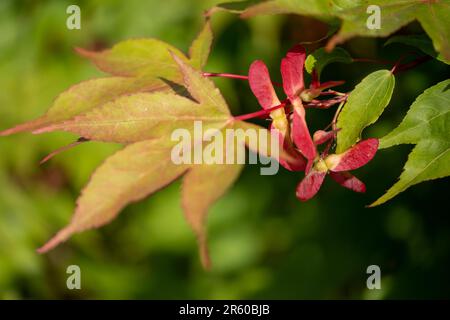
264,243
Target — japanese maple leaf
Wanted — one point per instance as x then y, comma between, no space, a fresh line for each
338,165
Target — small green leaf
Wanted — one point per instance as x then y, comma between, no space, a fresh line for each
321,58
426,124
201,47
131,174
364,106
421,42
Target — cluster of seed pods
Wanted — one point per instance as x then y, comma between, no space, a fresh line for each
289,123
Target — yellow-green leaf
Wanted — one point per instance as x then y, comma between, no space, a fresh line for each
141,116
201,47
131,174
86,96
138,57
201,88
202,186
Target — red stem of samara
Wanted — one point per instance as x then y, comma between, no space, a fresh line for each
259,113
233,76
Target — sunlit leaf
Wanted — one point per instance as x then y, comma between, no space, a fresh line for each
201,46
202,186
128,176
137,57
140,117
88,95
201,88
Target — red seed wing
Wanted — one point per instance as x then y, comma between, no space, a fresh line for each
298,163
310,185
348,181
300,132
321,136
261,85
292,71
354,158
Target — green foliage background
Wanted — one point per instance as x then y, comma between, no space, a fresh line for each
264,243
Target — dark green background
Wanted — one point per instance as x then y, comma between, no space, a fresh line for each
264,242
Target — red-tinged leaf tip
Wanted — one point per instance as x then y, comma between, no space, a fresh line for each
176,58
300,134
292,71
310,185
348,181
204,253
62,149
261,85
61,236
85,53
27,126
354,158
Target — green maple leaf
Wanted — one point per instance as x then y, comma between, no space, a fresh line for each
426,125
432,15
363,107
